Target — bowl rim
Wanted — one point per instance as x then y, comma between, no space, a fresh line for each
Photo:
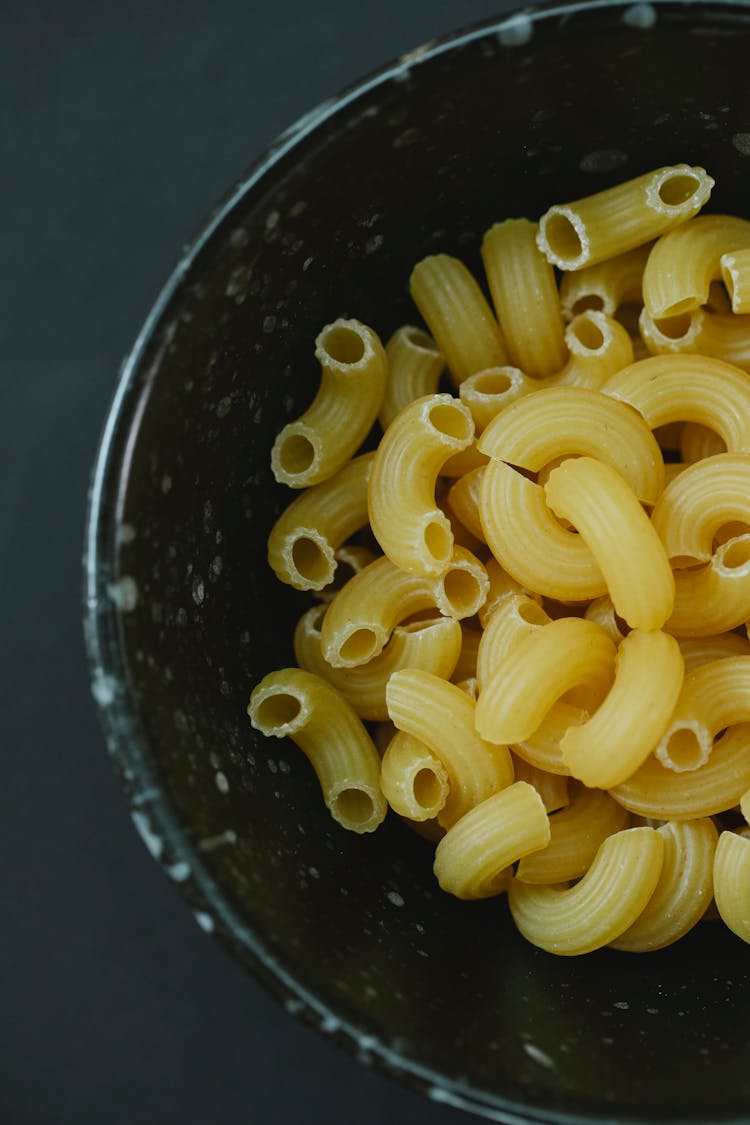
104,598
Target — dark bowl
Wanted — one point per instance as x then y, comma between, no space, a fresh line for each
183,615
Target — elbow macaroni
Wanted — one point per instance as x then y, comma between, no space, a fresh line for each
585,513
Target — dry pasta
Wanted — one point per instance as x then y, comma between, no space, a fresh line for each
353,374
549,647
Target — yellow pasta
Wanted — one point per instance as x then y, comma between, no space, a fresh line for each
603,905
716,597
442,716
515,617
545,648
576,834
547,558
605,287
414,781
473,860
684,890
414,369
296,704
457,315
697,651
432,644
598,347
688,388
304,539
718,785
541,667
692,509
714,696
683,263
463,500
524,293
411,529
732,882
501,587
361,618
551,787
629,723
620,218
488,392
353,376
611,522
603,613
572,421
735,272
466,666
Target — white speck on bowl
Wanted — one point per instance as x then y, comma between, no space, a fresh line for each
124,593
642,16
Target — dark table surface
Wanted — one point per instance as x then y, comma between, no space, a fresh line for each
121,125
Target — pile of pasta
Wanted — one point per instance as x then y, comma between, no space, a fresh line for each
539,657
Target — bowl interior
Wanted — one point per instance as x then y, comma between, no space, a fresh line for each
186,616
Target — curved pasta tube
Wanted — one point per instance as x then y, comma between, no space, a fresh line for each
353,375
303,541
688,388
723,336
684,890
361,618
606,286
473,860
501,587
627,726
442,716
292,703
598,346
716,597
547,558
718,785
571,422
406,521
551,787
432,644
694,507
457,315
611,522
414,781
350,558
601,611
488,392
714,696
463,500
524,293
745,805
697,651
683,263
576,834
608,899
515,617
542,748
539,670
414,369
735,273
732,882
616,220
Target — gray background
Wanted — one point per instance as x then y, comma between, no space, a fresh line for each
121,125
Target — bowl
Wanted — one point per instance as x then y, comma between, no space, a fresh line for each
183,615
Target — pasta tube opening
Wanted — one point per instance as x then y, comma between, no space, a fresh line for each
296,450
359,647
676,189
685,748
354,807
340,344
278,713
